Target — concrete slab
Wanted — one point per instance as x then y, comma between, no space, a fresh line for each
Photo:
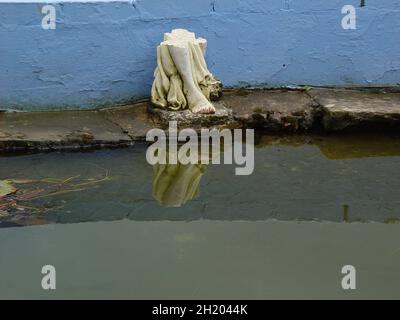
348,109
277,110
134,120
54,130
273,110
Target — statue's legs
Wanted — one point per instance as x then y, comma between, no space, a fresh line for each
175,98
197,102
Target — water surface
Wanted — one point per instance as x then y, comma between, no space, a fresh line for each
312,205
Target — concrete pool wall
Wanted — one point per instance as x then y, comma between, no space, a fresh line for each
103,52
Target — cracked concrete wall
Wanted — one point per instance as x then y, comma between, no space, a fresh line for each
104,53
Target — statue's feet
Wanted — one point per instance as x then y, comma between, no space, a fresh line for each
203,108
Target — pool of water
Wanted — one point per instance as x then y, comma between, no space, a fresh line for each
116,227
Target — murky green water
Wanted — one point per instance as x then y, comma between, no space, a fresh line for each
105,222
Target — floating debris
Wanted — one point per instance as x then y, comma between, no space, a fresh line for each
6,188
19,203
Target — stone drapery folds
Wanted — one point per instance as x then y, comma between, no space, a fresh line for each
182,79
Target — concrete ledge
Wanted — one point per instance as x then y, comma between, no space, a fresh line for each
133,120
351,109
59,131
278,111
273,110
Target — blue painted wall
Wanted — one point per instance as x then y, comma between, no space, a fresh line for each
104,53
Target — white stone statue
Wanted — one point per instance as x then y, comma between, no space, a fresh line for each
182,79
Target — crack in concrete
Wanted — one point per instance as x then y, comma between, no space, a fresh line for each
123,131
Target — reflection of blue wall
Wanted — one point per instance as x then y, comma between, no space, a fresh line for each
105,52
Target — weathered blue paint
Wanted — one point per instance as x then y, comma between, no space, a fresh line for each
104,53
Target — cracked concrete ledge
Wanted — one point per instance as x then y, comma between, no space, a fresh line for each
277,110
343,109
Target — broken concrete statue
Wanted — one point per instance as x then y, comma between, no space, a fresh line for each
182,79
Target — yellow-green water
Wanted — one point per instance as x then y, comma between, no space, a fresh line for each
312,205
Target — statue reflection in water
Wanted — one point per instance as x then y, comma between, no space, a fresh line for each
174,184
178,169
